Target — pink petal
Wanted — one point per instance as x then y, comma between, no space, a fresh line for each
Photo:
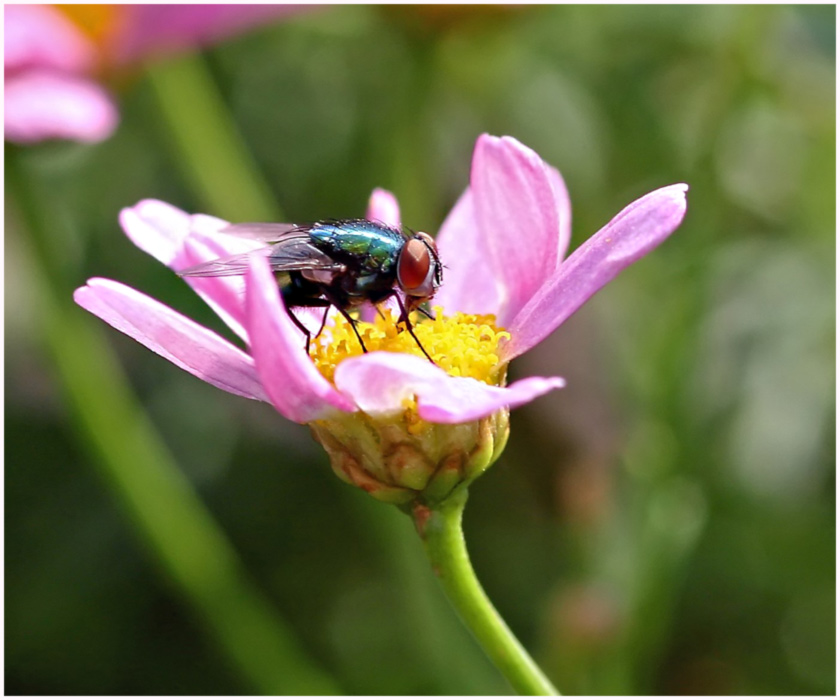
149,29
183,342
383,207
225,295
380,382
40,104
637,230
519,209
179,240
297,390
39,36
157,228
564,211
469,283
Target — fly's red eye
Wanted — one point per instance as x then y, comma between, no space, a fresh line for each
414,264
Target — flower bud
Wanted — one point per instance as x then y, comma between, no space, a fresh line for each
401,458
404,459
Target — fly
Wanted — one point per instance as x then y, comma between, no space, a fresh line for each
341,263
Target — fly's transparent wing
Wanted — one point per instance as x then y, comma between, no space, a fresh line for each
224,267
293,251
269,233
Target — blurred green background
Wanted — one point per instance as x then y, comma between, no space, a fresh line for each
665,525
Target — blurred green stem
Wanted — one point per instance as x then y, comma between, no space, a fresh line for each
213,157
160,502
442,534
409,145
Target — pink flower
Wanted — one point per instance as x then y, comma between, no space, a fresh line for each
503,245
49,92
50,62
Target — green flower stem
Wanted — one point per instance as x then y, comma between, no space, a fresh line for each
161,504
214,159
440,529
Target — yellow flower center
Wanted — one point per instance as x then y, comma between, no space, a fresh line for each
97,21
464,345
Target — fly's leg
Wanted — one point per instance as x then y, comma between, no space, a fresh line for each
323,322
427,314
352,323
330,299
302,328
293,298
404,318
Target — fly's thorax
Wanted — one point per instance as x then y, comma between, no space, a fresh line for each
365,247
404,459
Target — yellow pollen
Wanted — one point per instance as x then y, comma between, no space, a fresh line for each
412,421
464,345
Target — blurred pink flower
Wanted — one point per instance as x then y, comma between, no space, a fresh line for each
48,91
54,55
503,246
147,29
